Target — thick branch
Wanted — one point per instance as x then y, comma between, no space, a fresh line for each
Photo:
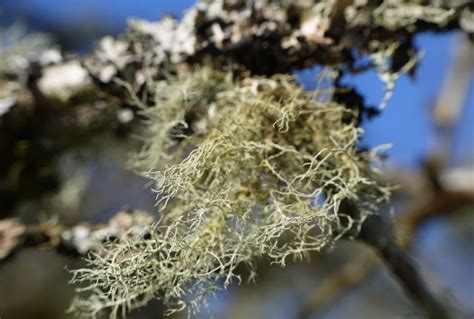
81,98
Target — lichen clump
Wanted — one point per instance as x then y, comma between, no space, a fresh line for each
243,169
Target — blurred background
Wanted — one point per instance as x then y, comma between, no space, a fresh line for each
97,184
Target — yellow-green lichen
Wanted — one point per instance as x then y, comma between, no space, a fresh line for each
242,170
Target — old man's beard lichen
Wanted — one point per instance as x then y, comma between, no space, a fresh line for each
242,169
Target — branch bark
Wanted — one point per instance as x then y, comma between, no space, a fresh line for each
76,240
376,233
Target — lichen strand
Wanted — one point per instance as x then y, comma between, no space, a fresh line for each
253,168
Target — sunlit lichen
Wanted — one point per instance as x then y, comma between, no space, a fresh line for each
243,169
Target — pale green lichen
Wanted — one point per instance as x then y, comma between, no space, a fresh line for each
397,14
243,169
381,58
400,14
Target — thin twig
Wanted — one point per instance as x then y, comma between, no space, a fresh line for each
357,270
75,240
376,233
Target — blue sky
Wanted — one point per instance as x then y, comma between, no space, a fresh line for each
405,123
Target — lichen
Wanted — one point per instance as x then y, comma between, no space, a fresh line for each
243,169
18,48
381,58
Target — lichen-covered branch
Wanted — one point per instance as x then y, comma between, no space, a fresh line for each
246,163
80,98
439,191
77,240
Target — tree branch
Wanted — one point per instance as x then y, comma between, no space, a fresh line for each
376,233
76,240
80,99
432,196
